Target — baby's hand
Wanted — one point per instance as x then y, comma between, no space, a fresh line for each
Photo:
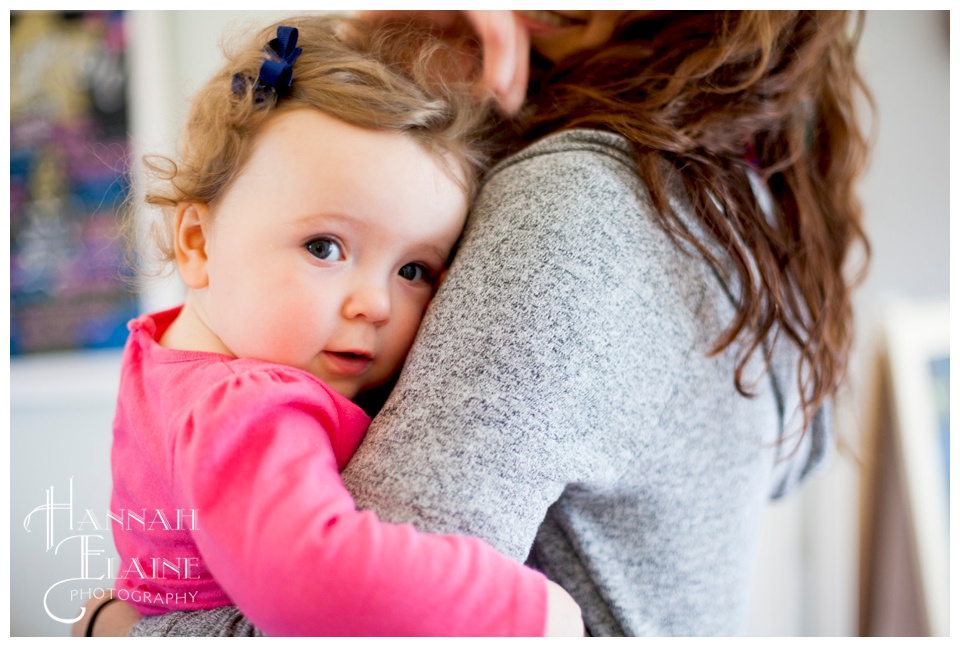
563,614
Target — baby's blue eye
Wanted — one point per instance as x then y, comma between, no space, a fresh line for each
325,249
413,272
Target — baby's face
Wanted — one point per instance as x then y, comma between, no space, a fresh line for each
326,249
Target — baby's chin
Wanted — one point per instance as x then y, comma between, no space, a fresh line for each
344,388
351,390
369,392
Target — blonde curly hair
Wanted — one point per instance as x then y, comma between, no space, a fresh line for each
393,76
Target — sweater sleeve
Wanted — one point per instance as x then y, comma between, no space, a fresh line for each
282,536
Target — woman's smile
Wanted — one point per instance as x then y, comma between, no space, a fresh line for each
540,20
558,34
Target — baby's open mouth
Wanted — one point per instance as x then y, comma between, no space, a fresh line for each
351,354
348,362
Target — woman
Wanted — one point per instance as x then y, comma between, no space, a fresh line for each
648,315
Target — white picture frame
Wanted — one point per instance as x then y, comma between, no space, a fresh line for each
916,339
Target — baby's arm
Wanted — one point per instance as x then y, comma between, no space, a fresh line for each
283,538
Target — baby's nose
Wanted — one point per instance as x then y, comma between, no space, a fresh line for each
370,302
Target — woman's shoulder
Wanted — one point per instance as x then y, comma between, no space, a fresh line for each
574,179
584,177
583,146
585,166
573,171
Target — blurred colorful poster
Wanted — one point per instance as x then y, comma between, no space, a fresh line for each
69,149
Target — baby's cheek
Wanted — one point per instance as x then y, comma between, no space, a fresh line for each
403,336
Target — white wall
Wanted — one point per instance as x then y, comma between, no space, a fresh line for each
806,581
61,410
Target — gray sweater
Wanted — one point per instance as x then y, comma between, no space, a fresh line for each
561,404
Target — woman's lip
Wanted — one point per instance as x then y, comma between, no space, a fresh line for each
347,362
539,21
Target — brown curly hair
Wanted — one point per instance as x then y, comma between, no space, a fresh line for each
721,96
396,76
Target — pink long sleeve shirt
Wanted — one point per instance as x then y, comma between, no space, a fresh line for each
226,479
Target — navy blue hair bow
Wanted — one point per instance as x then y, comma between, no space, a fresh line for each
279,74
276,74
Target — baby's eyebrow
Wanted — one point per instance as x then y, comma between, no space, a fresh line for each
325,216
321,220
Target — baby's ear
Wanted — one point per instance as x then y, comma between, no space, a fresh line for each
190,243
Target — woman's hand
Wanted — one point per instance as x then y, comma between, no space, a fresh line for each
117,619
505,43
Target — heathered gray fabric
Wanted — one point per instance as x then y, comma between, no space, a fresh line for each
560,403
223,622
